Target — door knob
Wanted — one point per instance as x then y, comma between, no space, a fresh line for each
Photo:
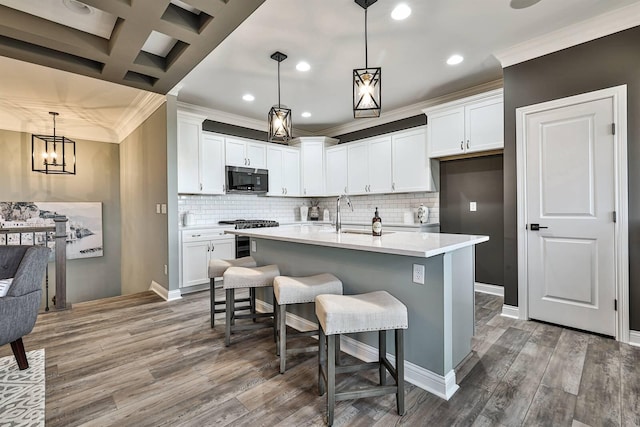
536,227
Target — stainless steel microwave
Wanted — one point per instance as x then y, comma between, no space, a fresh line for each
246,180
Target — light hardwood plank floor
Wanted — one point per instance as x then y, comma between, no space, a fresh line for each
139,361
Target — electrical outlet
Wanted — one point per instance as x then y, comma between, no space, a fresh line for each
253,246
418,274
166,270
473,207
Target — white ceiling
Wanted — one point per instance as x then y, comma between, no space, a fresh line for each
329,34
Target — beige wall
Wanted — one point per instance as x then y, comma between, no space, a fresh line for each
143,184
97,180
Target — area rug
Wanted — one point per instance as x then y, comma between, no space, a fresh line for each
22,392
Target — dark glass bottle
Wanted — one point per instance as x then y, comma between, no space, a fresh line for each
376,224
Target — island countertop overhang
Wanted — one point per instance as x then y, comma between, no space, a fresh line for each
423,245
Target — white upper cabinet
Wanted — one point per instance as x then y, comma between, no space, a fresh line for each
200,158
413,170
369,166
212,163
245,153
284,170
337,170
312,160
468,125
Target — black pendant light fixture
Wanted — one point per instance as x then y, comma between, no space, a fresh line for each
53,154
367,94
279,115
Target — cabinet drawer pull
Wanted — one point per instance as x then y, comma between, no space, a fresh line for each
345,190
462,145
467,144
249,162
213,248
196,235
393,186
200,186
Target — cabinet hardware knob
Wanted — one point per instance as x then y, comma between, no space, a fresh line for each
467,144
393,186
462,145
213,248
200,186
286,191
249,160
195,235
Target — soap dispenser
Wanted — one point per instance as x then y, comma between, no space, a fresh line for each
376,224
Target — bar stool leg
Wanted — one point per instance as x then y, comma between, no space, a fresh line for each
212,298
322,359
338,359
331,377
282,331
229,318
382,353
400,370
252,302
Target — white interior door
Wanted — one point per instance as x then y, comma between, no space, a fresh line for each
570,194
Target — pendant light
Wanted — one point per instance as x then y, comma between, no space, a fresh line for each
367,96
279,116
52,154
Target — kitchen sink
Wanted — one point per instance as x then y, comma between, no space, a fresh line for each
351,231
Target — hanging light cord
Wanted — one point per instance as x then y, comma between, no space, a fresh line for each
366,53
278,84
54,132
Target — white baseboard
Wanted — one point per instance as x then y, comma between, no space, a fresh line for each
164,293
486,288
634,338
510,311
195,288
442,386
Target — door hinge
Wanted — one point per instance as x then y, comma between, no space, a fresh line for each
615,305
615,216
613,128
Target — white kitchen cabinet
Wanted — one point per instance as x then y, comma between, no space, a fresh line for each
200,158
336,170
312,160
245,153
412,168
369,166
284,170
200,246
468,125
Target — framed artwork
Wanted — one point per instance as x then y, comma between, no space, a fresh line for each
84,225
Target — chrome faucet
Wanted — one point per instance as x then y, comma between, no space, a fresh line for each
338,219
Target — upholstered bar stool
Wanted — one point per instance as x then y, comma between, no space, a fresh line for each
299,290
342,314
217,267
243,278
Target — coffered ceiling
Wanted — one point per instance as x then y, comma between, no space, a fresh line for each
105,64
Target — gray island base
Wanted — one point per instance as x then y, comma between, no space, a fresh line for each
441,311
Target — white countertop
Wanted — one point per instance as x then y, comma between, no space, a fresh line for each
422,245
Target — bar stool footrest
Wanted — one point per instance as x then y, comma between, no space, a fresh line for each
379,390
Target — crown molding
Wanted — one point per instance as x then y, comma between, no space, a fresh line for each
145,104
409,110
581,32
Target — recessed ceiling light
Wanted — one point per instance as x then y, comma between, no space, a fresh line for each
248,97
400,12
303,66
306,114
77,7
455,59
522,4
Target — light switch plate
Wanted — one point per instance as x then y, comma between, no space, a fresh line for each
473,207
164,208
157,207
253,246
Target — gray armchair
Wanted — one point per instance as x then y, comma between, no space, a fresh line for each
19,308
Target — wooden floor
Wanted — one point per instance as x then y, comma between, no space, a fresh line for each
139,361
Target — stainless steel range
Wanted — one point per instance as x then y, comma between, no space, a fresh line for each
242,242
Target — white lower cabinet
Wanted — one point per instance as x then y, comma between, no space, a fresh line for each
200,246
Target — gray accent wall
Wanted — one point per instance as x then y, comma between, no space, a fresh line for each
598,64
97,180
234,130
477,180
406,123
143,184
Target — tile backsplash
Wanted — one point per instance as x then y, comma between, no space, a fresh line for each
208,210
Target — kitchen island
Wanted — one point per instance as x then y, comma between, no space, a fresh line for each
441,311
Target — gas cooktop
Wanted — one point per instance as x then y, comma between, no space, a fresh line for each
250,223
